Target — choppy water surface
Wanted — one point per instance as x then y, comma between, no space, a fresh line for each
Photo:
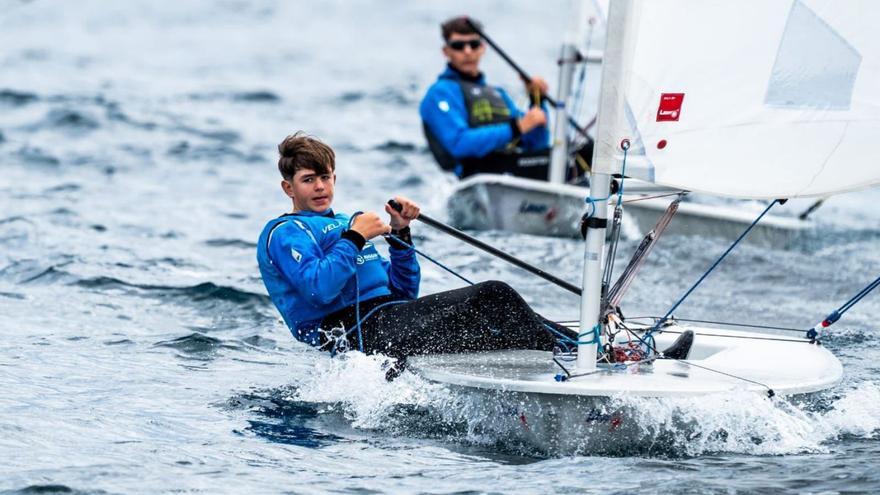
140,354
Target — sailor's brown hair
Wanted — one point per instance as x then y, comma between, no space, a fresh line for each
459,24
301,151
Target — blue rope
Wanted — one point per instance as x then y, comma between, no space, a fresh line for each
357,295
591,201
649,333
596,336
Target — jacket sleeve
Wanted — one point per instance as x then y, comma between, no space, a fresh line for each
404,275
536,139
318,276
443,111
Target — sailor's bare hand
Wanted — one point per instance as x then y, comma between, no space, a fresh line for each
535,117
409,211
369,225
537,84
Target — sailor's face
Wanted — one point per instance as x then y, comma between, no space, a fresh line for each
310,190
464,52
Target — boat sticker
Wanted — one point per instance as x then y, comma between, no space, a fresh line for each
527,207
670,107
613,420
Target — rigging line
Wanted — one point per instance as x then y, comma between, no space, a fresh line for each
770,391
835,315
615,229
858,297
800,341
712,268
651,197
725,323
432,260
574,322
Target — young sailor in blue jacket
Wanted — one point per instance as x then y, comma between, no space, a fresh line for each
324,275
473,127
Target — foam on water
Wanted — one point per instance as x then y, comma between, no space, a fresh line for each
355,382
741,423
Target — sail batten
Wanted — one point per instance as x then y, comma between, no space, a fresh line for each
746,98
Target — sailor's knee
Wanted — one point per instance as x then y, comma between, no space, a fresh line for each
495,288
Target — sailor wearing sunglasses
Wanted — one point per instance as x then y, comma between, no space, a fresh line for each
472,127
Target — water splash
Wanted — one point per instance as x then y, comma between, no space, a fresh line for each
744,423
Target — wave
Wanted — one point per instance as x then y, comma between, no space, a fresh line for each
32,155
282,420
206,291
238,243
113,112
49,490
70,120
396,146
405,97
17,98
28,271
187,151
196,344
255,96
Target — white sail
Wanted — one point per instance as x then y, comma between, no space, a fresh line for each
743,98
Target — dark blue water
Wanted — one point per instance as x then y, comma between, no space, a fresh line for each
140,354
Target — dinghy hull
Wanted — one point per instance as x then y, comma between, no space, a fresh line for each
516,395
527,206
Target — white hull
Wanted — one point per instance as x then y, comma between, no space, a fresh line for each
527,206
520,397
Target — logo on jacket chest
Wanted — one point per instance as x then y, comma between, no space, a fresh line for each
369,253
363,258
330,227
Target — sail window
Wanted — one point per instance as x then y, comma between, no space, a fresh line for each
815,66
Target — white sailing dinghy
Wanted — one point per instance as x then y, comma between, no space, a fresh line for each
552,207
794,83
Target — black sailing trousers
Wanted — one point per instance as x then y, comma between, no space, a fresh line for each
482,317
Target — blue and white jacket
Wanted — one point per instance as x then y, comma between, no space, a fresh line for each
444,112
310,270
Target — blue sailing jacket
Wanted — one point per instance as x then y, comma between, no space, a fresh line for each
445,113
310,271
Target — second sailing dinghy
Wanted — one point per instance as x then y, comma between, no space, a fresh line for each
553,207
750,99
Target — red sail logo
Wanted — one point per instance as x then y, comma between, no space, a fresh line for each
670,107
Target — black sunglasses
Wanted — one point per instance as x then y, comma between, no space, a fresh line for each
458,45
